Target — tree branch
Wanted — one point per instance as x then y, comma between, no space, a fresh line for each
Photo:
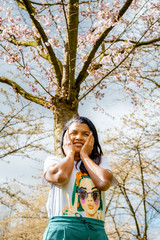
12,117
20,148
50,51
27,95
35,44
138,44
153,206
151,80
91,55
124,8
122,188
144,195
112,70
23,43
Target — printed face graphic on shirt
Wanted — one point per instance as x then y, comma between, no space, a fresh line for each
89,197
86,198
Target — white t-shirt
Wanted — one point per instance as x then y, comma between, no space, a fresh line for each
79,195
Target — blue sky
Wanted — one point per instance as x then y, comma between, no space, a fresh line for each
24,169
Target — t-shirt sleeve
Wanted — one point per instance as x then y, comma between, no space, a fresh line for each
49,161
106,165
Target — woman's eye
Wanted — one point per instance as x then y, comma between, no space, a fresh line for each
73,133
86,134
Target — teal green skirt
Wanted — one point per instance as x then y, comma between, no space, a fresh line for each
75,228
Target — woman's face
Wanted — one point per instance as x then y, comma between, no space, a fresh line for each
89,197
79,133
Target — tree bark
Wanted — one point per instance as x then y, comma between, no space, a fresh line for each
62,114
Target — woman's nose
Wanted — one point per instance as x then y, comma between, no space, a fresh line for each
79,136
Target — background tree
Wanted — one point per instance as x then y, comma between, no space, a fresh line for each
23,137
21,132
23,216
133,207
61,52
67,49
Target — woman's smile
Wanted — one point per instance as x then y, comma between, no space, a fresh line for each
78,144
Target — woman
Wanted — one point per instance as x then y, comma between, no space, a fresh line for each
81,176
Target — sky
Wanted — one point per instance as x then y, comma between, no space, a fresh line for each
111,108
24,169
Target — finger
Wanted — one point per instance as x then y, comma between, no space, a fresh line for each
76,201
90,139
68,201
69,137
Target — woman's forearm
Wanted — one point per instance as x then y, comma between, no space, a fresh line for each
59,173
101,177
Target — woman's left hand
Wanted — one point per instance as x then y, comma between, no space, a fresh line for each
88,146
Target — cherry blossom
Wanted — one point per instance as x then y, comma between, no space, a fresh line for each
117,54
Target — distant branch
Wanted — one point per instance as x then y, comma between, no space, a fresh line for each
123,190
15,195
22,147
110,200
151,80
153,206
144,193
25,94
12,117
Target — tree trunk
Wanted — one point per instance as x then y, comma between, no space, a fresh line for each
62,114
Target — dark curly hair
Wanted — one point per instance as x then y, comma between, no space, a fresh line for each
97,150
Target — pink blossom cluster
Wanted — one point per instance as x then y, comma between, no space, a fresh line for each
15,30
33,88
99,95
47,21
50,76
11,56
104,18
35,32
95,18
11,28
54,42
27,70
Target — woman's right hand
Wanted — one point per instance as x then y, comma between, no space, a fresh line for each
68,145
70,210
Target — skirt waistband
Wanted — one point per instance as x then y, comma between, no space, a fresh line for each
90,223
